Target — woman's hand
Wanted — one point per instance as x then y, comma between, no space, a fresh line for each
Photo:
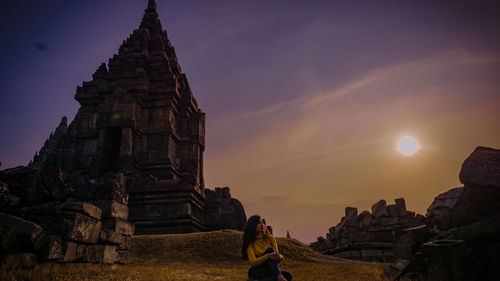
274,256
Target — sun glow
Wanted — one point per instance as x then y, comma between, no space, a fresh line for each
407,145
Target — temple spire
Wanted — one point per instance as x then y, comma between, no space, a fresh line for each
151,5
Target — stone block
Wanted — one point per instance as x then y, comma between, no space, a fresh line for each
392,210
110,189
489,227
72,252
52,250
351,212
387,221
24,260
110,237
482,168
363,236
400,206
475,204
119,226
441,217
126,242
446,199
96,233
379,209
29,235
403,246
112,209
100,254
396,269
83,208
8,240
77,227
372,254
122,256
351,216
384,236
448,260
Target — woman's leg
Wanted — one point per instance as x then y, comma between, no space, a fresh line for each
272,265
275,269
268,269
259,272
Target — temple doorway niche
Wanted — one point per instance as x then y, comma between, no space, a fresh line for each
111,149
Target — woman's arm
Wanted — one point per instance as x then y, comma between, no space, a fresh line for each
254,260
275,246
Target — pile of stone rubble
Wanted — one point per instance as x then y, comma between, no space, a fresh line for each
458,239
59,224
368,236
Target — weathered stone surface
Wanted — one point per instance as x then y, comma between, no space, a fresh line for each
112,209
119,226
446,199
30,235
77,227
110,237
476,203
52,250
72,251
34,186
379,209
100,254
122,257
387,221
448,260
482,168
223,211
489,227
400,206
24,260
84,208
25,183
394,271
8,240
96,233
363,236
351,216
110,189
392,210
126,242
372,238
439,212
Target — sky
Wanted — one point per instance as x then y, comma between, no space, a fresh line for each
305,100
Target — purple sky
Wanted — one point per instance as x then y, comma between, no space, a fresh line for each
295,81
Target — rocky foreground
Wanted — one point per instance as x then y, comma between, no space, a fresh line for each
458,239
200,257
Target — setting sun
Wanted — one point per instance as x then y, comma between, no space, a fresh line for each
407,145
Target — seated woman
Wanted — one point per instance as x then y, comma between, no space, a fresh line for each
261,250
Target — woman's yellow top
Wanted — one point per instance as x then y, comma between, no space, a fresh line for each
256,249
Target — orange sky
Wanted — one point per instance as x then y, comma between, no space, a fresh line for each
313,156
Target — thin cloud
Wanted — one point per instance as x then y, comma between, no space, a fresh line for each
339,146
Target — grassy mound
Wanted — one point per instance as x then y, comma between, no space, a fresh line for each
199,257
210,248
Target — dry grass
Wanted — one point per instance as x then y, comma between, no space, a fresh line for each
201,256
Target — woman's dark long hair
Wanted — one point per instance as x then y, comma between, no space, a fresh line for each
250,234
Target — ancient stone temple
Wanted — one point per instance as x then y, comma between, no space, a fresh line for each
138,117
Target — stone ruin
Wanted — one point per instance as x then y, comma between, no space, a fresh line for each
42,219
368,236
460,236
130,162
